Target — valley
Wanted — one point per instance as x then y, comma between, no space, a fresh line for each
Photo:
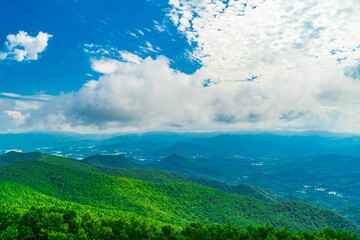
195,182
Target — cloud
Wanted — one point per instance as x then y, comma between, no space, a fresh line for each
3,56
129,57
237,39
17,116
150,95
132,94
104,66
265,65
22,47
159,27
16,111
353,72
94,49
38,97
140,32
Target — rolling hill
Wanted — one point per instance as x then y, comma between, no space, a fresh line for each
12,157
64,180
329,180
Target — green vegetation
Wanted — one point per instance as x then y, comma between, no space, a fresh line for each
12,157
65,223
176,203
154,175
114,161
110,165
59,198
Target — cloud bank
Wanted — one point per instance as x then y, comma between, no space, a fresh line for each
266,65
22,47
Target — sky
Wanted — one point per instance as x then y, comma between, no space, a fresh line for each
178,65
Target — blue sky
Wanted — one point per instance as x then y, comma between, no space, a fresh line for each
64,66
179,65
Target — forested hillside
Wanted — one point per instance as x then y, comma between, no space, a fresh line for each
148,194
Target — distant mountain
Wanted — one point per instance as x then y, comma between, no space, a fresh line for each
329,180
187,166
228,169
115,161
73,183
263,145
183,148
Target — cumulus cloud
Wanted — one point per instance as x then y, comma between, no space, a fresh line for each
353,72
104,66
108,65
17,116
150,95
271,64
23,47
236,39
135,95
16,110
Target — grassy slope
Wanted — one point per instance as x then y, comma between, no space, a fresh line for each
178,203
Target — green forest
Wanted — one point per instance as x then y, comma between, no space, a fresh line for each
66,223
50,197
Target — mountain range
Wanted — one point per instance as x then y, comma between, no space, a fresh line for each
37,178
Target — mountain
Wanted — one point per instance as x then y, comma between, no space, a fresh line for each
119,166
177,163
115,161
158,176
227,169
242,189
264,145
54,181
329,180
12,157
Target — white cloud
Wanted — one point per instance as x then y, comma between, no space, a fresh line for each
17,116
129,57
22,47
133,35
353,71
133,94
236,40
37,97
3,56
267,65
288,46
91,84
140,32
150,48
16,111
159,27
104,66
150,95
